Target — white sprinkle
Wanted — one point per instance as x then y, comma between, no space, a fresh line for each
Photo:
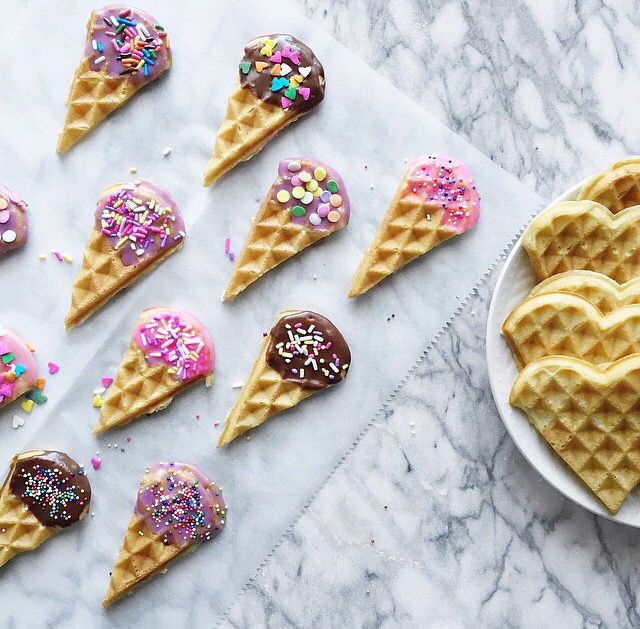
99,391
99,59
167,151
17,421
237,385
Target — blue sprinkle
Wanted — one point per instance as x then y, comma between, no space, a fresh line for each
128,22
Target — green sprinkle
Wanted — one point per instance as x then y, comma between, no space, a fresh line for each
297,210
7,358
36,396
120,28
158,27
332,186
245,66
291,93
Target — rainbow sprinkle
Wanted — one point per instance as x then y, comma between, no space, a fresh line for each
129,220
51,489
135,47
169,339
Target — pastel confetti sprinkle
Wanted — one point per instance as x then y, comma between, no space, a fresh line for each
27,406
53,368
96,462
98,401
106,381
17,421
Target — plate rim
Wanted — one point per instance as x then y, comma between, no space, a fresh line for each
588,501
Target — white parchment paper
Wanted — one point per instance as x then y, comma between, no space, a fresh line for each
365,129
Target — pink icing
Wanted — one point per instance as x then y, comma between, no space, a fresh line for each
123,44
14,227
179,503
316,205
139,219
19,374
447,189
176,338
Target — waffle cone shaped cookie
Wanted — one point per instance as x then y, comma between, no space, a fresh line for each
436,200
280,79
43,493
590,416
560,323
18,369
616,188
137,226
14,226
601,291
302,354
170,351
176,508
307,202
125,50
584,235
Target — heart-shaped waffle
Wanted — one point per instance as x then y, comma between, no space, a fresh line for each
575,235
568,325
617,188
601,291
590,416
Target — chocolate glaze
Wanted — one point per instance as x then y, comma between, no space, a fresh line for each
60,497
288,358
259,83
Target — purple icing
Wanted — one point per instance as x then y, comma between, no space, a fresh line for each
292,173
117,48
120,213
180,504
14,226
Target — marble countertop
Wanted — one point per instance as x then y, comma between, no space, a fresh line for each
434,518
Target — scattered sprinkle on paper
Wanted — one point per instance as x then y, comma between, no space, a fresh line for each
98,402
17,421
27,405
96,461
167,151
106,382
53,368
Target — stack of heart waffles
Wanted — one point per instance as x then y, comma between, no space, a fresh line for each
576,337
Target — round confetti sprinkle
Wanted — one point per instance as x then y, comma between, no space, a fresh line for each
307,198
314,219
323,210
9,235
298,210
4,216
317,192
333,216
325,196
335,200
305,176
312,185
297,192
4,204
332,185
320,173
296,181
294,166
283,196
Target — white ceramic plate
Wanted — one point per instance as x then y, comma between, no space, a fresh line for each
515,281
